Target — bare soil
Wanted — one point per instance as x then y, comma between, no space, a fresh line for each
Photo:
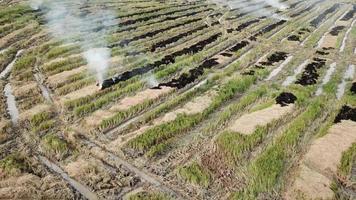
197,105
29,186
126,103
320,163
139,98
248,123
329,41
85,91
63,76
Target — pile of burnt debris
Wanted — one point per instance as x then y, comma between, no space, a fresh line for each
189,77
245,25
273,58
238,46
336,30
168,59
310,74
316,22
349,15
266,29
306,10
297,36
286,98
346,113
353,88
324,51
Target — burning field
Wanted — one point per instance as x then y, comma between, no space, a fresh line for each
177,99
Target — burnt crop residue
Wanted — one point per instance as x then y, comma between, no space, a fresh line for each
226,54
349,15
271,59
306,10
171,40
310,74
131,28
293,38
336,30
246,24
195,73
266,29
189,77
316,22
168,59
297,36
286,98
346,113
238,46
142,19
274,58
153,33
323,53
353,88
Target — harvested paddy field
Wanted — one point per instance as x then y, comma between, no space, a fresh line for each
177,99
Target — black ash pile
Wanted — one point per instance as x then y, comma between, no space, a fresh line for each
346,113
286,98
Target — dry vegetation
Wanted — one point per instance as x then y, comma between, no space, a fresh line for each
212,102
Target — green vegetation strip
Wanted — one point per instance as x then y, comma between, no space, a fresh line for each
266,171
183,123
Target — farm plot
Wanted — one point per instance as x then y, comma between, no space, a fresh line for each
144,99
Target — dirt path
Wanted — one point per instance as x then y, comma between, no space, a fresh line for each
11,104
9,67
109,157
326,78
349,75
78,186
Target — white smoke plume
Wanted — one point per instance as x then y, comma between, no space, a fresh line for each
35,4
98,62
71,22
253,7
151,80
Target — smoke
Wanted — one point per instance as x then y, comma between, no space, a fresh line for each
72,22
35,4
254,7
98,62
151,80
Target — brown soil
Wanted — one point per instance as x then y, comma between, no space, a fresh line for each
28,186
248,123
85,91
329,41
106,182
63,76
195,106
34,110
321,161
139,98
95,118
59,59
13,34
21,90
342,23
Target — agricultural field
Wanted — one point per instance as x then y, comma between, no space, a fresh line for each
178,99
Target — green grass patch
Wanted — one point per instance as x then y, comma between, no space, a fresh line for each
55,146
266,171
14,164
195,174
